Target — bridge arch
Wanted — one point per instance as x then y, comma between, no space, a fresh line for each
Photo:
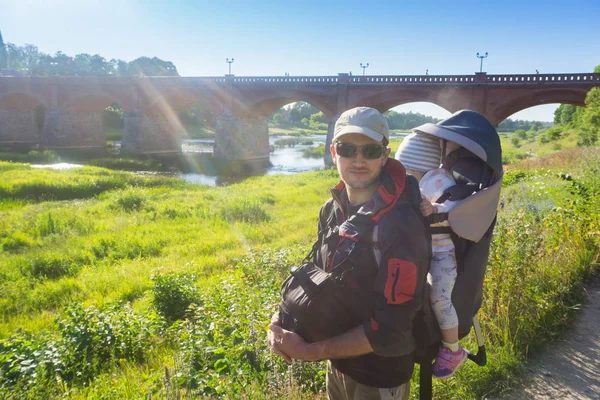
267,105
22,118
396,96
540,97
93,103
429,112
173,100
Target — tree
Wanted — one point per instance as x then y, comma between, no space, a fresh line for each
521,134
590,129
319,118
3,54
151,67
563,115
406,121
295,116
29,61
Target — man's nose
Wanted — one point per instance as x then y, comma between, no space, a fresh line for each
358,158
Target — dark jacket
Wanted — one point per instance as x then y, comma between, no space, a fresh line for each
388,293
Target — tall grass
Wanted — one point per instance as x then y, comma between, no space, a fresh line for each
147,286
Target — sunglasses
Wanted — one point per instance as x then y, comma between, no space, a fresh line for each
369,151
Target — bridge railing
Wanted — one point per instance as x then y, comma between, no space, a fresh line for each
415,79
273,79
544,78
477,78
481,78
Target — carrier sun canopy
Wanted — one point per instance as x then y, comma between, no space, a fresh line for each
472,216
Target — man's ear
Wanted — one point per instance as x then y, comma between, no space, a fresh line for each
333,153
385,157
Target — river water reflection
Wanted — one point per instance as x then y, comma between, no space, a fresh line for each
284,159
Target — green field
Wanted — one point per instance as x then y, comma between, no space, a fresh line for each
115,285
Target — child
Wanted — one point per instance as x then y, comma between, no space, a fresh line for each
419,153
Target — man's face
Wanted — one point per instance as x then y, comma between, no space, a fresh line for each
358,172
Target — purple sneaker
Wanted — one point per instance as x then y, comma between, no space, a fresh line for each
447,362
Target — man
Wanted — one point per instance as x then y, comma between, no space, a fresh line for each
373,360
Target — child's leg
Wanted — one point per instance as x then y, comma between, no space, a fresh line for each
442,277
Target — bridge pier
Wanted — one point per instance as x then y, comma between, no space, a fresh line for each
150,134
19,129
241,138
73,130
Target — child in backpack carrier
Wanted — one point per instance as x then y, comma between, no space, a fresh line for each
420,154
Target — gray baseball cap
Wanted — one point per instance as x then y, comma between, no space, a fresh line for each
363,120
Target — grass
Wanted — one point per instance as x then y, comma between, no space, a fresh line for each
533,145
290,130
91,255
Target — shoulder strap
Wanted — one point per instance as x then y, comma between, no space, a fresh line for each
375,246
413,194
310,255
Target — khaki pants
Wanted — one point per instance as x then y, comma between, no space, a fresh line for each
342,387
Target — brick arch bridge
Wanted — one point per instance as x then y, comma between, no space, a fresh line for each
66,112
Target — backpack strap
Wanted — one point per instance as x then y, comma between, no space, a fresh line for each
437,218
413,193
375,246
440,229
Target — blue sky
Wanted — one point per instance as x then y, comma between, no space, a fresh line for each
320,37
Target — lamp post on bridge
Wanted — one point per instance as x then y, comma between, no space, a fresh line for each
364,67
481,58
229,62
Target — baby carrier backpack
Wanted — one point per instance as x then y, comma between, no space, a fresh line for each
471,152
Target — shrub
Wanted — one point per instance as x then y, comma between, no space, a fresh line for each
94,339
15,242
245,210
173,294
553,133
55,265
33,157
127,164
513,176
223,348
126,247
90,341
47,225
129,201
521,134
314,152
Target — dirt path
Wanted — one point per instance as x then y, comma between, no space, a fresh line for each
570,368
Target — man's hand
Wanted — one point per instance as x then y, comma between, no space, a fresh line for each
274,341
426,207
291,345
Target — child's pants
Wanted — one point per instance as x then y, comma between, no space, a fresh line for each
442,275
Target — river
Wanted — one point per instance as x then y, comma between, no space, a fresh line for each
285,159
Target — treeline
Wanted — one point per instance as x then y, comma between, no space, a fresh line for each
584,121
509,125
28,60
302,114
406,121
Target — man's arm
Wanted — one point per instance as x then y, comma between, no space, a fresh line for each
349,344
